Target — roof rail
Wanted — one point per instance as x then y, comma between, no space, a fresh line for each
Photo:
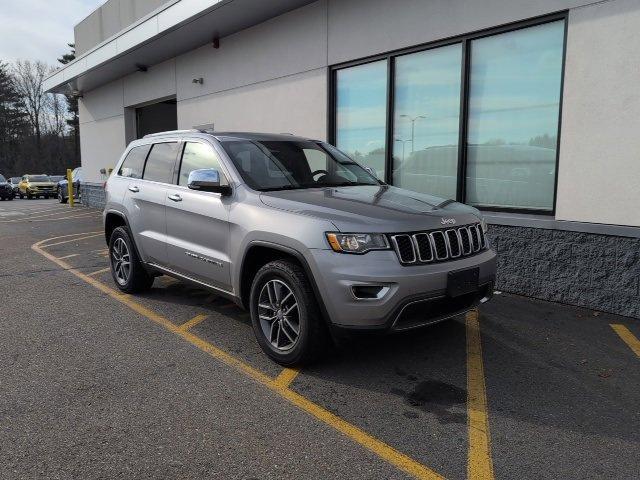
169,132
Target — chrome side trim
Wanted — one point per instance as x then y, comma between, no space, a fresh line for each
173,273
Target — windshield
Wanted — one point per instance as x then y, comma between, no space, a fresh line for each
38,178
56,178
2,179
285,165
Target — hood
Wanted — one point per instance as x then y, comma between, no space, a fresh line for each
42,184
372,208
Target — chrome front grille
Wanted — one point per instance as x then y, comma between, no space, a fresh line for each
438,245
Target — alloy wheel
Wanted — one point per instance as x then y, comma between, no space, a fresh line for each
121,261
279,315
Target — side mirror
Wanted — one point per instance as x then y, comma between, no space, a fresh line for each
207,180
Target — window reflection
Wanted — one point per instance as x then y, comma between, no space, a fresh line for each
513,117
427,120
361,114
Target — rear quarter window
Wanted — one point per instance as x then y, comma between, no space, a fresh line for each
133,164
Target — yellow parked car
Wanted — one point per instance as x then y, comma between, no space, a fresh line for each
36,186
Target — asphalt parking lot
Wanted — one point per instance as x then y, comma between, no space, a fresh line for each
171,384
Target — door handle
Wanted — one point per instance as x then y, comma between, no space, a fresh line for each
134,189
175,197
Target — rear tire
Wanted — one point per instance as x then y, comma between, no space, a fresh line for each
10,198
126,268
275,288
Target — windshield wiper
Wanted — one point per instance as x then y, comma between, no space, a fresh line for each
282,187
349,184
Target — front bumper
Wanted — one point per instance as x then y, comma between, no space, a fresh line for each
413,295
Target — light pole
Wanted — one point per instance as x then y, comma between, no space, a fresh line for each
403,144
413,126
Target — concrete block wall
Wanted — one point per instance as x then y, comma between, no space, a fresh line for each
92,195
601,272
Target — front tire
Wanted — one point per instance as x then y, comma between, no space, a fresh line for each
285,314
61,197
126,268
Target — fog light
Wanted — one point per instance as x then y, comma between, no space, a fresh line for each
369,292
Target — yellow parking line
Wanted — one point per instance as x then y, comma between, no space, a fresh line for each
29,217
627,337
384,451
98,272
286,377
80,215
77,239
193,322
68,256
479,462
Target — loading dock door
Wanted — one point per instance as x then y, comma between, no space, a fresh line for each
157,117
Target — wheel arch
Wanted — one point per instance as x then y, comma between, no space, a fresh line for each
114,219
258,254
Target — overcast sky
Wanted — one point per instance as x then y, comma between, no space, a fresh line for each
39,29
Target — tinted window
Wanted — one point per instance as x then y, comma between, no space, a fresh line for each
361,119
427,121
2,179
160,162
276,165
514,104
133,165
196,156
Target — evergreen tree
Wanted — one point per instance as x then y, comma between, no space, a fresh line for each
72,105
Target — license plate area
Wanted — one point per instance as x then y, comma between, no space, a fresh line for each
462,282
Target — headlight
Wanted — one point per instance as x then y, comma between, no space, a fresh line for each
484,225
357,242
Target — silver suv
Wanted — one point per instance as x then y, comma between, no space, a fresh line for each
311,242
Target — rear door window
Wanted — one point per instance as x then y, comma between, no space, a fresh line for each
133,164
161,162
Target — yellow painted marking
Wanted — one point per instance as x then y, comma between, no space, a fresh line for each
384,451
77,239
29,217
80,215
98,272
286,377
479,462
193,322
627,337
68,256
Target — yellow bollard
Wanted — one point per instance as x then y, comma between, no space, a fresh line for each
70,187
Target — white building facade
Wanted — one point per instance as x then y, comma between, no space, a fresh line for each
528,110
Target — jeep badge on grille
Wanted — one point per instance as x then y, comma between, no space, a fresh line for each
448,221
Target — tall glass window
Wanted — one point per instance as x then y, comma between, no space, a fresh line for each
361,114
514,102
427,121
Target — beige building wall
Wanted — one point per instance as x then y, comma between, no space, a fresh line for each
273,78
599,168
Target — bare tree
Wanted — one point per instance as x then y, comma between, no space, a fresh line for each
54,110
29,78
